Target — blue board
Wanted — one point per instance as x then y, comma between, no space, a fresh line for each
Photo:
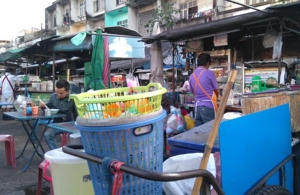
253,145
193,140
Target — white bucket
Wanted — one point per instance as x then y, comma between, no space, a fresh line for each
70,174
36,86
44,86
50,87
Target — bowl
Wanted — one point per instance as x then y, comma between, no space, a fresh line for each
54,111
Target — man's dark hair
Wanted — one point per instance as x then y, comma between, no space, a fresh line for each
203,59
9,69
63,83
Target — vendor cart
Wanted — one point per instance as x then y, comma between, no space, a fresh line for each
256,157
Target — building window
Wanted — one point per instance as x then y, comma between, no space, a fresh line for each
188,9
54,21
98,5
123,23
119,2
82,8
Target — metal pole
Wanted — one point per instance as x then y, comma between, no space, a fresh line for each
53,71
280,57
173,71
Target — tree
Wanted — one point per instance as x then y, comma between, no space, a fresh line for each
163,15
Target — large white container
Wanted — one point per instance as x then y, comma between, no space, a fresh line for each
70,174
50,86
44,86
36,86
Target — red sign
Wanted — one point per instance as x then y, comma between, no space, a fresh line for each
117,78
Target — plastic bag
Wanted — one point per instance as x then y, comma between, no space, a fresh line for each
185,162
277,47
230,98
175,123
131,81
269,37
190,123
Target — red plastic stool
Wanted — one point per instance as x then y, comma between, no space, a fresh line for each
64,139
40,177
9,149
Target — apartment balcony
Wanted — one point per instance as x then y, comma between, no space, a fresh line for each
138,3
79,22
63,27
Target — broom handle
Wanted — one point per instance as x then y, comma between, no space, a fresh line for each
214,131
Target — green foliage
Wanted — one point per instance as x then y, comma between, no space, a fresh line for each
163,15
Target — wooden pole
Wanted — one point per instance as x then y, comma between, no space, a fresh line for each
214,131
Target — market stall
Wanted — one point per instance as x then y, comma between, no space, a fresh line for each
255,102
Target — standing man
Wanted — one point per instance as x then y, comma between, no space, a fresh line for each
60,100
204,86
8,82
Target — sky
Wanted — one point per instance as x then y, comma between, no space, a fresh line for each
17,15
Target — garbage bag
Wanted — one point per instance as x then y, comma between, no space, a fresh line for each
185,162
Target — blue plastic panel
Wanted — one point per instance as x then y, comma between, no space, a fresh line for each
251,146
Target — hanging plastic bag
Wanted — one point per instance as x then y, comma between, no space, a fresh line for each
269,37
277,47
131,81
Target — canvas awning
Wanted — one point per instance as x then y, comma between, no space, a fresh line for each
12,54
240,23
67,46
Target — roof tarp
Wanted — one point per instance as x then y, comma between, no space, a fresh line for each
67,46
12,54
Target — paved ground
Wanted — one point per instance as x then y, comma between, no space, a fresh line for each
16,182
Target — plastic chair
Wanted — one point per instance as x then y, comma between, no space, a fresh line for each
64,139
40,177
9,149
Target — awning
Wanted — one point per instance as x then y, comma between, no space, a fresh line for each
67,46
63,43
126,64
12,54
212,27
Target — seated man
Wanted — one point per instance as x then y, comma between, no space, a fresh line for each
60,100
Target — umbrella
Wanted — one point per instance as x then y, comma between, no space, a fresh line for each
156,59
106,72
97,63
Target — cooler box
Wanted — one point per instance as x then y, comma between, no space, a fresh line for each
193,140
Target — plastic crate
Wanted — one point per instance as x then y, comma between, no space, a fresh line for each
119,102
139,144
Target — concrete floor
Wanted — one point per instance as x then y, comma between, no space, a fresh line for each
17,182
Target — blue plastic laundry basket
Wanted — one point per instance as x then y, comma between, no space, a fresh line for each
139,144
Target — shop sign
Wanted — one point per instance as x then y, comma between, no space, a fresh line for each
117,78
268,74
126,47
